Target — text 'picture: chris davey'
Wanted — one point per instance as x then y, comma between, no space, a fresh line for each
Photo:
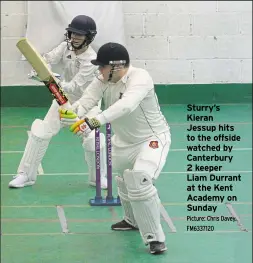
211,218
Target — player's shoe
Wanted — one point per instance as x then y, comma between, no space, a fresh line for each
20,181
156,247
123,226
103,183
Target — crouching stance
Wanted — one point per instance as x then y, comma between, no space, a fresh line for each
75,54
140,142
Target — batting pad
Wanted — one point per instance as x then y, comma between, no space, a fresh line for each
34,152
123,194
146,205
42,129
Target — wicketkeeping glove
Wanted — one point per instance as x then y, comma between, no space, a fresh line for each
85,126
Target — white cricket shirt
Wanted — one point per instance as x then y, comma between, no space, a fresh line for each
131,106
78,72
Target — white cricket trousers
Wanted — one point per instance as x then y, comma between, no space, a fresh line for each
149,156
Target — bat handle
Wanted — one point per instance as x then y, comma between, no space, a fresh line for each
66,106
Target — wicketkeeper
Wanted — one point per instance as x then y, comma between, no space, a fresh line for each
141,139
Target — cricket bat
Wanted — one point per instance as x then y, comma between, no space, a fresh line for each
44,73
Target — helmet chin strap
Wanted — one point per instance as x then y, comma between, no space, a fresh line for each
111,72
116,66
99,76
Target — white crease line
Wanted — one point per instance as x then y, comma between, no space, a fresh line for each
218,172
110,233
88,206
62,218
171,150
233,213
13,126
52,234
12,151
167,219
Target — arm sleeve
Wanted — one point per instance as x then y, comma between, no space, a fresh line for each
84,75
91,96
130,100
55,55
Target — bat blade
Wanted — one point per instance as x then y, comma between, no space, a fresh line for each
44,73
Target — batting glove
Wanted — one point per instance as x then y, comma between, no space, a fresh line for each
78,109
67,117
85,126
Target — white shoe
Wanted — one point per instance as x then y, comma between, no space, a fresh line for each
103,183
20,181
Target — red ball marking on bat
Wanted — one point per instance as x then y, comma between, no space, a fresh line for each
55,90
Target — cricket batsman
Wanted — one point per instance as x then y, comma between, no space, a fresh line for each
75,54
